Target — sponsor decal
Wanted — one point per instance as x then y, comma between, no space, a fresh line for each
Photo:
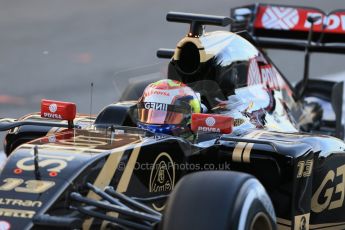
333,22
302,222
265,75
52,139
162,177
58,110
156,106
330,196
288,18
304,168
268,77
52,116
4,225
211,123
254,76
209,129
156,92
282,18
18,202
87,142
53,108
29,186
51,162
17,213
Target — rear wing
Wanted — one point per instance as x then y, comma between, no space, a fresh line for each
287,27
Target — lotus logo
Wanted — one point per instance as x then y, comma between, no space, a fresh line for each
162,177
210,121
53,108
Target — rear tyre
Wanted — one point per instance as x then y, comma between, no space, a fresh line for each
219,200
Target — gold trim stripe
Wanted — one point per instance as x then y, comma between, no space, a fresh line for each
103,179
125,178
127,174
286,224
329,226
283,227
283,221
326,225
246,152
338,227
237,153
243,149
106,175
248,149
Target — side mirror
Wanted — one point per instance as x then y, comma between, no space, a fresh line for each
58,110
213,123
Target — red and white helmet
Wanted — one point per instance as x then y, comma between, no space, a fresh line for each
166,104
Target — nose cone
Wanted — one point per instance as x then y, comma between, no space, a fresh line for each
33,181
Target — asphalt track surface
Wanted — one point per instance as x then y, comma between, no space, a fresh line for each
55,49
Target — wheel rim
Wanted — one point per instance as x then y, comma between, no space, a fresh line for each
261,222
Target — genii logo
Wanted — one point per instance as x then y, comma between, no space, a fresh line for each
280,18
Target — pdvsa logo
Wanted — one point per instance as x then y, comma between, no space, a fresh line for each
210,122
280,18
52,109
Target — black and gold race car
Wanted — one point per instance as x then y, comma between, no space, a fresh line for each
279,165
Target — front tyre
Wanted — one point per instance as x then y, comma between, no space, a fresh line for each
219,200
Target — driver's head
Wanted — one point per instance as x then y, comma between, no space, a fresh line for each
166,107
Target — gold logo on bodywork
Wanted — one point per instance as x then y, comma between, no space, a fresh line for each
162,177
325,192
302,222
17,213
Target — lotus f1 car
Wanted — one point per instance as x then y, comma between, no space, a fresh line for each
277,162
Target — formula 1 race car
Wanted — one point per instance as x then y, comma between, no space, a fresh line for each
275,163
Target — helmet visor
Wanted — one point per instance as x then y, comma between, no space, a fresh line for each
158,113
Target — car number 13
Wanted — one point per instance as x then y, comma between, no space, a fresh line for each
29,186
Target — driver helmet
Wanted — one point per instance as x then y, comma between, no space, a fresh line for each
166,107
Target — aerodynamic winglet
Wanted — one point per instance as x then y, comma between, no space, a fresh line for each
196,21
